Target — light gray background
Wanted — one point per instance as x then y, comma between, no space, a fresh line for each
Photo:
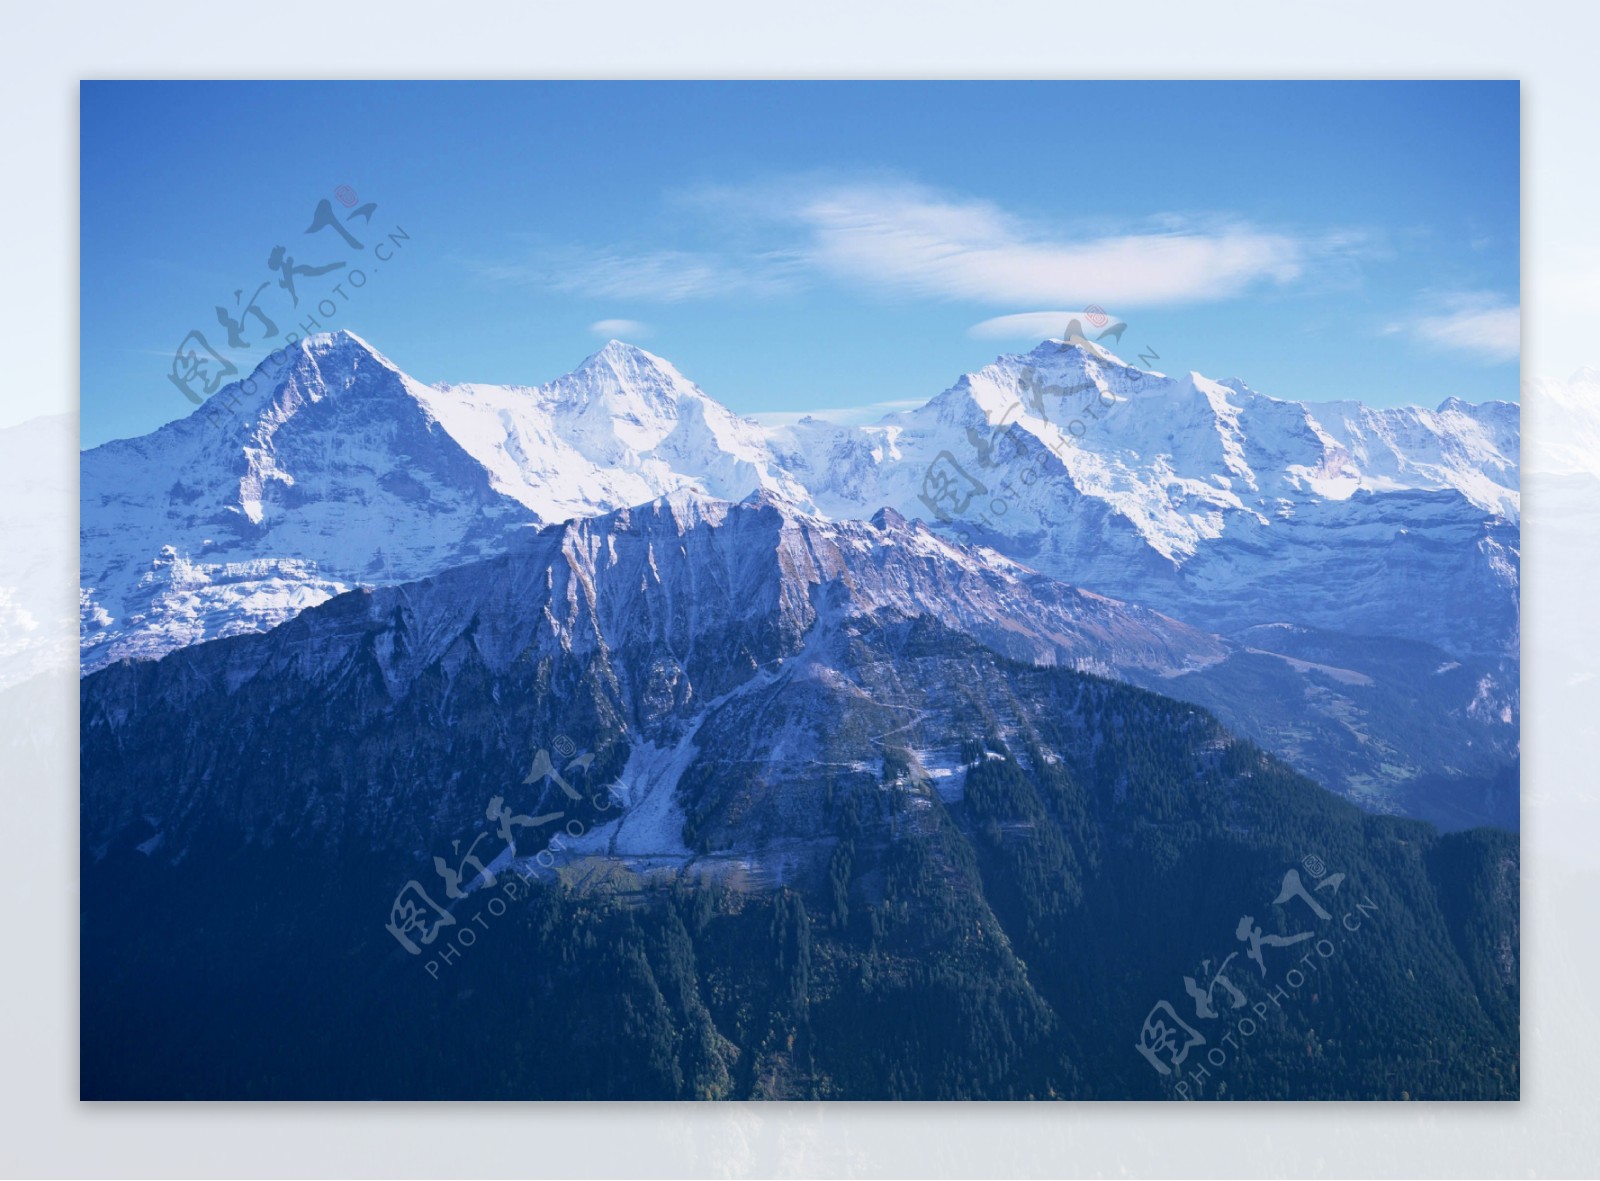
45,1131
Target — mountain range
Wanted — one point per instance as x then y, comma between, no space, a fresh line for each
1337,583
1195,494
849,820
590,741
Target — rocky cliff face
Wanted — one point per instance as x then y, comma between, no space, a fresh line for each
628,626
755,831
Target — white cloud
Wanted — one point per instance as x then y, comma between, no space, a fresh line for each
909,240
615,329
902,239
1036,326
666,276
1479,324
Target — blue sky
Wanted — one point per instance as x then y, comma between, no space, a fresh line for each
805,246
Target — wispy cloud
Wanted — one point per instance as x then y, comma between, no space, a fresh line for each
910,240
665,276
1033,325
901,239
612,329
1479,324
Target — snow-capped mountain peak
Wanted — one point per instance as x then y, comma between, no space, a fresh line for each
331,466
637,396
623,428
631,364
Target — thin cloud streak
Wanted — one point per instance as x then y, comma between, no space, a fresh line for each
615,329
664,276
907,241
903,239
1477,324
1031,326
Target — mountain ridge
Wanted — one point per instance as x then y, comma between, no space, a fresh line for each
860,854
474,463
1222,510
